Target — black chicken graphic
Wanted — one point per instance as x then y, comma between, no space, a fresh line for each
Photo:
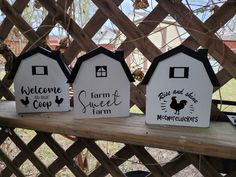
177,106
25,101
58,101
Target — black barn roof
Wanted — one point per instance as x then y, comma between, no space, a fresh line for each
51,54
200,55
118,56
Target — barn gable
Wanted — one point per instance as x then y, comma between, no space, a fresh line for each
118,56
200,55
40,82
101,82
179,88
51,54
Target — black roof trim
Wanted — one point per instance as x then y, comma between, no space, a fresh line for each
51,54
200,55
118,56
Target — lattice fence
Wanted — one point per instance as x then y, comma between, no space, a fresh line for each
201,34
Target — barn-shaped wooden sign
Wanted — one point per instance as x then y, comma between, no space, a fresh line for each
179,88
40,82
101,82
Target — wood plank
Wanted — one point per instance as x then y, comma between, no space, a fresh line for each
138,38
18,21
200,162
147,159
218,140
46,26
7,25
217,115
4,91
62,155
233,174
214,23
5,83
8,163
118,158
3,136
102,157
137,97
177,164
223,77
72,151
91,28
129,29
5,29
222,165
34,144
41,33
149,23
202,34
69,24
30,154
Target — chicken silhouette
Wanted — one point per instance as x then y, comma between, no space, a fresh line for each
58,101
25,101
177,106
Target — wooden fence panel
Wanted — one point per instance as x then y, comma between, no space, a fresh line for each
201,34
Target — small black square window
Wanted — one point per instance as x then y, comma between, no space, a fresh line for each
39,70
179,72
101,71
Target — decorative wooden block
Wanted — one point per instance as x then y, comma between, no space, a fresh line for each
179,88
101,82
40,82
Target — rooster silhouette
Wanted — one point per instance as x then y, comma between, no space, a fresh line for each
58,101
177,106
25,101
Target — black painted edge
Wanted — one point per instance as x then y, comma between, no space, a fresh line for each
118,56
51,54
200,55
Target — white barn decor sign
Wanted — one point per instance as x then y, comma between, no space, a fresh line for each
101,82
40,82
179,88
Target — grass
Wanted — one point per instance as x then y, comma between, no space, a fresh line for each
227,92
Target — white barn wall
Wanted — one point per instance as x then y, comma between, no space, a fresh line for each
198,83
116,80
55,78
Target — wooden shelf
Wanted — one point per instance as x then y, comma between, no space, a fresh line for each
218,140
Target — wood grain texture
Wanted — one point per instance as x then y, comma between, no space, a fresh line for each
34,144
176,164
10,165
69,24
58,150
200,162
30,154
91,28
72,151
149,161
214,23
46,27
129,29
102,157
200,32
120,157
18,21
7,25
218,140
